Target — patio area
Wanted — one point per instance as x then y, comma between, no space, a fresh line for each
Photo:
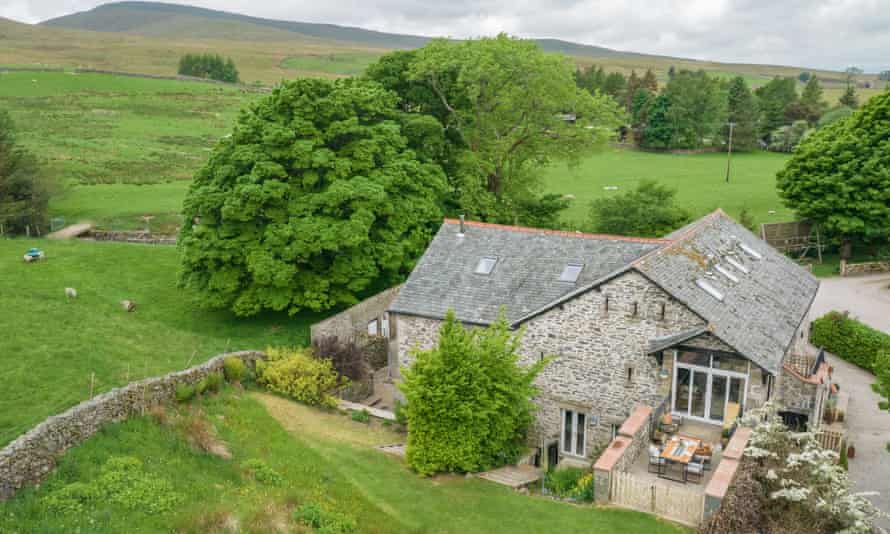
707,434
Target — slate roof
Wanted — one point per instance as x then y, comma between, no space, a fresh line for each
525,278
660,343
761,312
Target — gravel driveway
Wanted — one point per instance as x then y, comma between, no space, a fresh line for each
868,299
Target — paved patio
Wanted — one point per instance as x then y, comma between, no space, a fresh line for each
514,476
705,432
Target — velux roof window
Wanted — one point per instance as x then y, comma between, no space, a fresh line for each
486,265
750,251
736,264
709,288
725,272
571,272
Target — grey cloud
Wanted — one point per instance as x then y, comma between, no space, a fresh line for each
814,33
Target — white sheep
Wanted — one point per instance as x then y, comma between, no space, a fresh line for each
70,292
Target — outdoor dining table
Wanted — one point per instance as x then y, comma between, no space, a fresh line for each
679,450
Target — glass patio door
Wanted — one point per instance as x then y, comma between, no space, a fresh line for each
705,393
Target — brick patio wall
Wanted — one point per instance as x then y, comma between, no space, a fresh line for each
726,471
31,457
622,451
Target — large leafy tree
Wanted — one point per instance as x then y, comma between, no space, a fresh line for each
23,195
658,131
649,210
503,103
697,107
318,194
839,177
469,403
742,112
774,99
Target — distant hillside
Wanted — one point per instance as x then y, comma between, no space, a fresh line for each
154,19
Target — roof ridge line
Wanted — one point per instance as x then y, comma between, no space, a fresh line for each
562,233
696,226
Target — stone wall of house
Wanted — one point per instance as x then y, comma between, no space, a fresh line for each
352,321
28,459
621,453
599,360
599,363
708,341
796,394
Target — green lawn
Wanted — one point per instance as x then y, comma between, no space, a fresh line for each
699,179
101,129
341,64
121,206
323,458
52,346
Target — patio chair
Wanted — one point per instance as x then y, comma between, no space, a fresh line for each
694,471
669,424
703,459
657,464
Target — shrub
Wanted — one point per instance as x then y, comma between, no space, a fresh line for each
346,357
298,375
584,488
201,386
213,382
562,482
361,416
488,415
185,392
400,413
325,521
234,369
843,461
262,472
849,339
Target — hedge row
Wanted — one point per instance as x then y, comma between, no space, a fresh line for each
849,339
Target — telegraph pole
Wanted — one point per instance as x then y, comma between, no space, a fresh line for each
729,151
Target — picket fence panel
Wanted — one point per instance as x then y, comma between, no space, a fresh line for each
655,497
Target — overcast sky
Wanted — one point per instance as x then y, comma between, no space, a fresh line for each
815,33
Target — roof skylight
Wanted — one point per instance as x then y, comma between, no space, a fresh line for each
750,251
725,272
709,289
737,265
486,265
571,272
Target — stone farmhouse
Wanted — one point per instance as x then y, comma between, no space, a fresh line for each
706,323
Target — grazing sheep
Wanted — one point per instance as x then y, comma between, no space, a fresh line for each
70,292
128,305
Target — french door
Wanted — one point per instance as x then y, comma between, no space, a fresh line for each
704,394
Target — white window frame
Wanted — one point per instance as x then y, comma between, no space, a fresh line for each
374,327
574,438
710,371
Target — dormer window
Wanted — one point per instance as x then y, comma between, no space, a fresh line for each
486,265
571,272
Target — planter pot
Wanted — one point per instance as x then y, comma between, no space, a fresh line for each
851,452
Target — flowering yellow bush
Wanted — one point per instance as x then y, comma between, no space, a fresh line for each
299,375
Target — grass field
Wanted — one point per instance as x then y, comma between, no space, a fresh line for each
100,129
340,64
57,344
322,458
121,206
698,178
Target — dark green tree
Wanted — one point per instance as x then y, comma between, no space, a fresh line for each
773,99
639,113
630,91
23,195
211,66
811,101
849,98
697,108
839,177
615,85
832,116
659,130
469,403
804,77
315,198
742,112
592,78
649,210
649,82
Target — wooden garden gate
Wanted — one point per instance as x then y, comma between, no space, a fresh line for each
652,496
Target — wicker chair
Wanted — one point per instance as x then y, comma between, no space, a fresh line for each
657,464
694,472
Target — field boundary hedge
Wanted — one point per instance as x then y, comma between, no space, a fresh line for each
849,339
31,457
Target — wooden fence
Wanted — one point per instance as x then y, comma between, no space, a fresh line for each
651,496
831,439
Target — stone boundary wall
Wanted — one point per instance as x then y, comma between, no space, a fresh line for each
868,267
622,451
144,238
32,456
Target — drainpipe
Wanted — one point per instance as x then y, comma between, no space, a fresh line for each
462,230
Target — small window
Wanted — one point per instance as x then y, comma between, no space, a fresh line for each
613,430
725,272
709,289
574,432
606,304
750,251
629,372
737,265
372,327
634,309
384,325
570,272
662,311
486,265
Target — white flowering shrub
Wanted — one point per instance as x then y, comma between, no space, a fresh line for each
799,473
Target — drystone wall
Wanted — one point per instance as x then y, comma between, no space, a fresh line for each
32,456
130,237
